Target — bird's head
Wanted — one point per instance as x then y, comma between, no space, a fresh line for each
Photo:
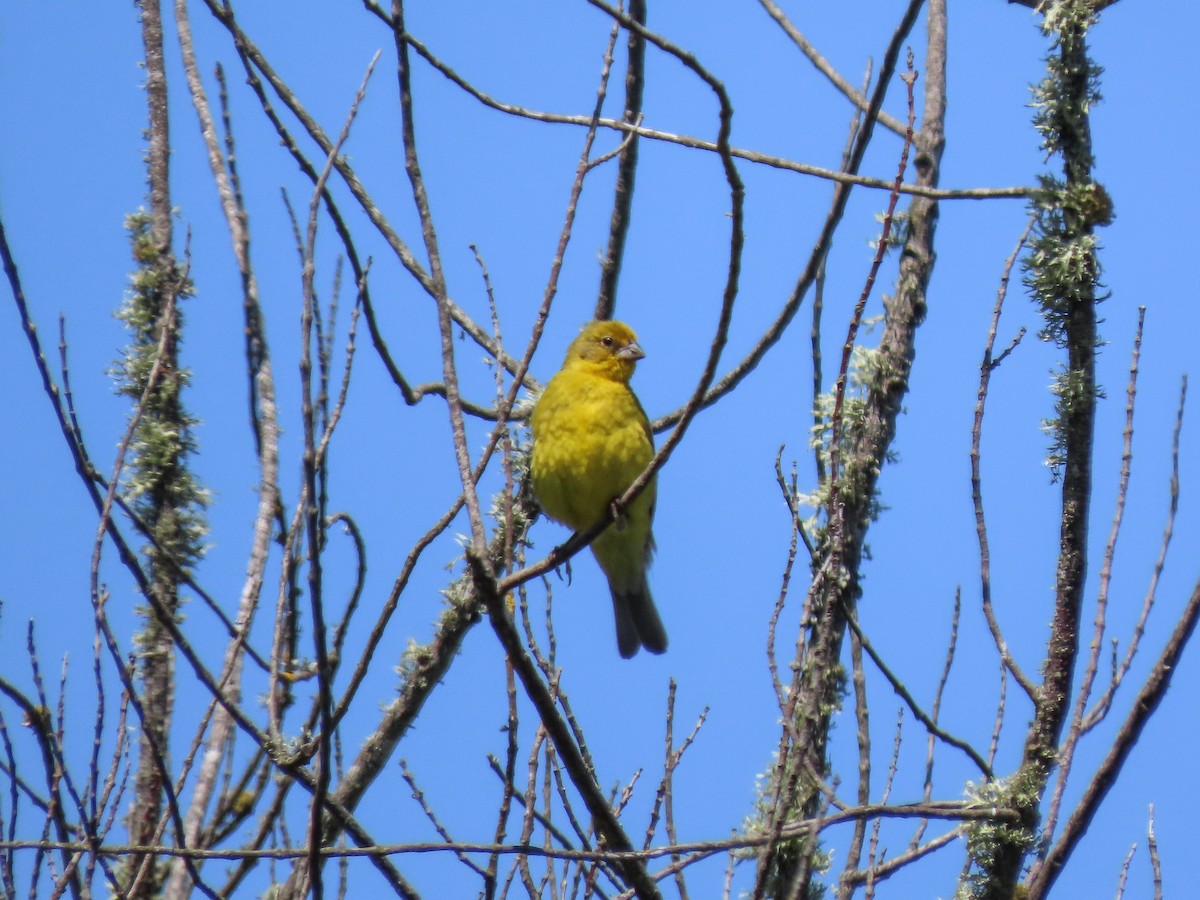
607,347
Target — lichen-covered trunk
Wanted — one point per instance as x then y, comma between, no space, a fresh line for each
787,870
157,481
1062,273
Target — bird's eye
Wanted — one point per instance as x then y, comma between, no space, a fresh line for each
606,341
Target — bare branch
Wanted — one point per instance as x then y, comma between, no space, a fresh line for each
847,176
1097,714
935,710
858,98
986,367
618,230
1155,864
919,714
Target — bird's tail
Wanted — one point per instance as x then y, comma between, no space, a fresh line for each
638,622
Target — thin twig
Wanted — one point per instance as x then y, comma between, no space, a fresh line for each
891,866
1100,710
921,716
1155,863
857,97
872,854
947,810
998,722
935,710
862,722
1124,875
848,177
314,463
986,367
419,796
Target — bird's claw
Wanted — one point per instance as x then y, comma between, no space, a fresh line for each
555,556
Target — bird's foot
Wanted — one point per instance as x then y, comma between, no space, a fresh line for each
556,555
618,513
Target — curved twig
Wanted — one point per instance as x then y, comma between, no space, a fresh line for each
986,368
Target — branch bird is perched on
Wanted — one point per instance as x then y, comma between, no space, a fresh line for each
591,439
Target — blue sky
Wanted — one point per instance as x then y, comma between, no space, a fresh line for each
70,170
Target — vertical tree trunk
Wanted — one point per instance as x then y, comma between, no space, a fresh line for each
837,587
157,479
1067,294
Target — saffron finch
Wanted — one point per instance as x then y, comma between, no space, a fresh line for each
591,439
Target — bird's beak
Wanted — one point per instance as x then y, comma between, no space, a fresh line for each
631,352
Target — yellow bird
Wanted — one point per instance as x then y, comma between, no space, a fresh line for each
591,439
